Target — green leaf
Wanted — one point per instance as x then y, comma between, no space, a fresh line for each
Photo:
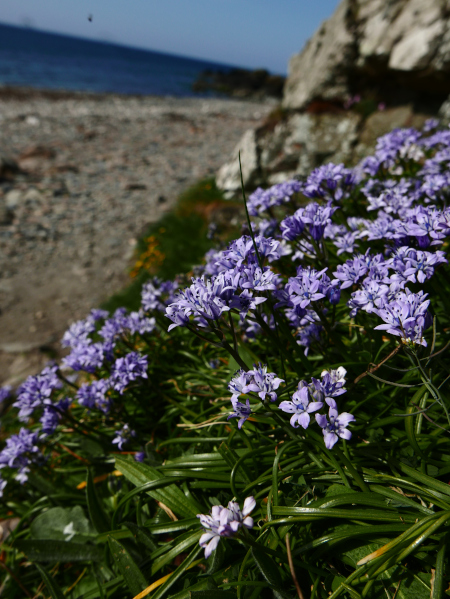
357,553
141,535
172,496
62,524
131,573
268,567
428,481
411,588
42,485
410,420
247,356
212,594
207,584
170,527
59,551
215,561
180,547
309,514
97,514
231,458
337,490
177,573
439,579
51,584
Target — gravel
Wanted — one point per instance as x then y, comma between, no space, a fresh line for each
96,169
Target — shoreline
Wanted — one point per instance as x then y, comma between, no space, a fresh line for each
95,170
26,93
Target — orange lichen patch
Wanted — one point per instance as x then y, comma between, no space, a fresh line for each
150,259
99,479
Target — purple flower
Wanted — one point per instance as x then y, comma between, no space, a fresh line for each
157,294
317,217
203,299
78,332
238,383
399,143
293,226
330,182
20,451
241,411
263,383
265,199
137,322
36,392
253,277
122,436
51,416
346,243
300,407
305,287
177,316
127,369
371,296
97,314
94,395
307,334
86,356
430,124
335,426
332,383
417,263
351,271
5,392
405,316
224,522
139,456
424,225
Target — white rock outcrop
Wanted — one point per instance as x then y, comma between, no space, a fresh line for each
364,38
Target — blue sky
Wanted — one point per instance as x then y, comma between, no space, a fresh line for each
251,33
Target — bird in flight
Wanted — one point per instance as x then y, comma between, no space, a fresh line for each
90,18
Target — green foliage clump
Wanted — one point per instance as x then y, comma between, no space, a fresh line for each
106,467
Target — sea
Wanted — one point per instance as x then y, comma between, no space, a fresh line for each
38,59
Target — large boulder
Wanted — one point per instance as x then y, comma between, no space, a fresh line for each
320,69
229,177
295,145
391,49
373,66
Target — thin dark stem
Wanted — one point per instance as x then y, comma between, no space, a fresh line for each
247,215
292,569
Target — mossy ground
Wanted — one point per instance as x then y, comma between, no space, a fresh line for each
176,242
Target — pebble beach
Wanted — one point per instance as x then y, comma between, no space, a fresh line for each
94,171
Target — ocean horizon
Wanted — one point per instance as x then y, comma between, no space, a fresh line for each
44,60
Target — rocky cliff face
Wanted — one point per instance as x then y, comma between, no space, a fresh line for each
374,65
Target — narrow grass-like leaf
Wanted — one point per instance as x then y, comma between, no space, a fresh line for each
97,514
177,573
141,535
180,547
59,551
424,479
140,474
170,527
351,532
52,586
212,594
267,567
439,573
131,573
306,514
